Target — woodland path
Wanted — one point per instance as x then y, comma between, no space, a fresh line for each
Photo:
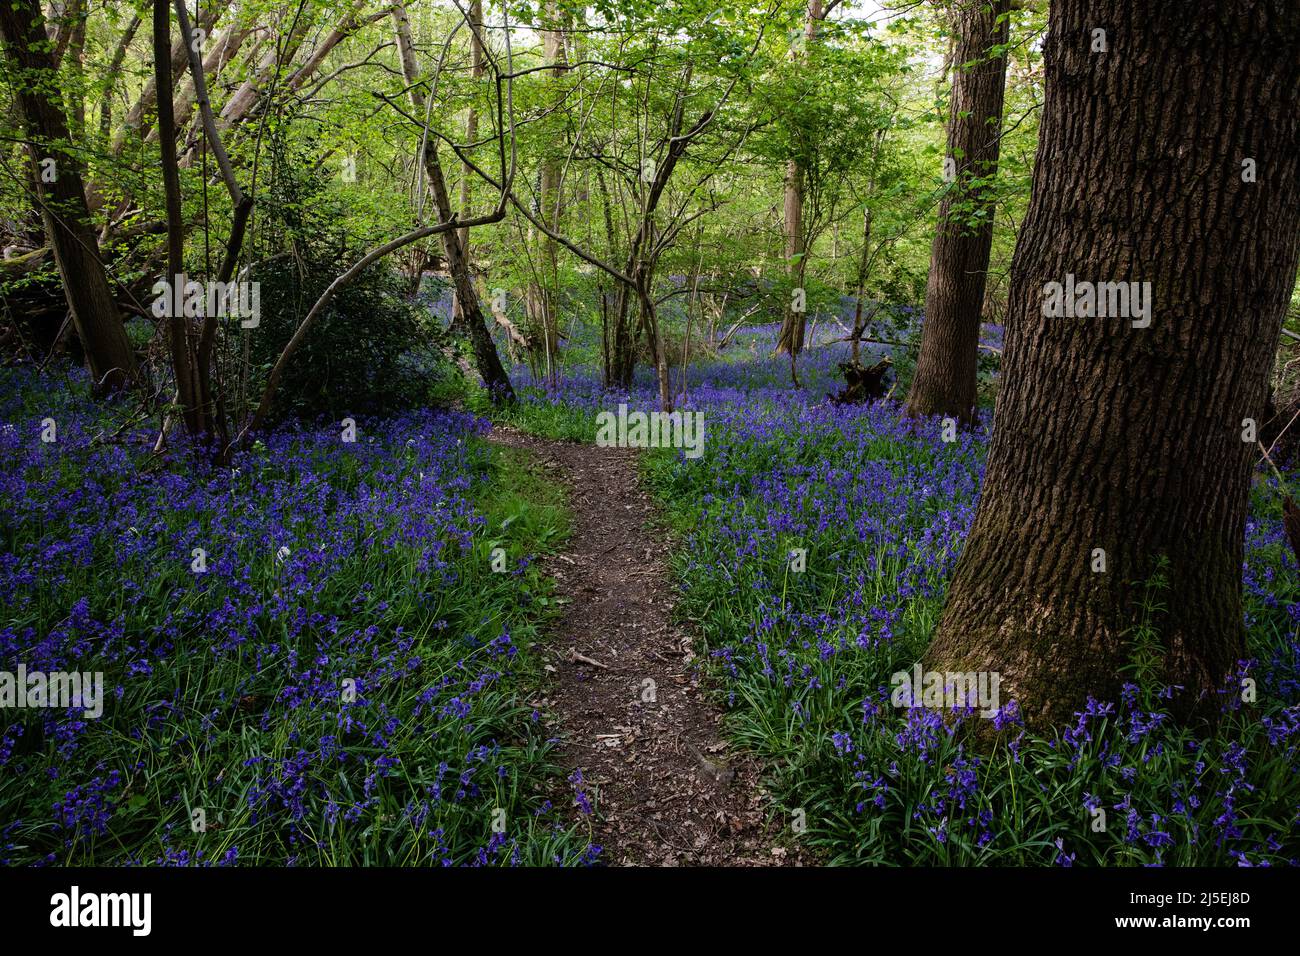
667,792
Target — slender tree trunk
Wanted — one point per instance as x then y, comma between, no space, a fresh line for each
642,258
114,68
623,362
351,22
74,61
211,412
277,58
543,288
471,134
791,336
609,329
692,304
859,322
63,197
1171,158
944,383
485,351
134,121
650,325
179,333
221,53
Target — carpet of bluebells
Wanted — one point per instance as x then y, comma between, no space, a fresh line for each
307,657
346,680
803,660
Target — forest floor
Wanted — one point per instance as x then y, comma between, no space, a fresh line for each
626,694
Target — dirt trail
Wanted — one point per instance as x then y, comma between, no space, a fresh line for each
667,791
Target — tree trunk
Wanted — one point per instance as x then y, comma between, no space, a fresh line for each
63,200
135,122
944,383
222,51
114,68
791,336
859,321
485,351
73,63
263,77
623,361
542,289
643,256
1121,437
471,134
193,405
650,326
611,323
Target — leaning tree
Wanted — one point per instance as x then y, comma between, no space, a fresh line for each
57,177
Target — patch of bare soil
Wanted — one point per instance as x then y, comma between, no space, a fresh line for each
626,695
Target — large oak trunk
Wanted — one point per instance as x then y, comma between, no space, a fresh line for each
944,383
1113,436
63,199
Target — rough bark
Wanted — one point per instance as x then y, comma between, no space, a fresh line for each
63,201
944,382
1123,438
